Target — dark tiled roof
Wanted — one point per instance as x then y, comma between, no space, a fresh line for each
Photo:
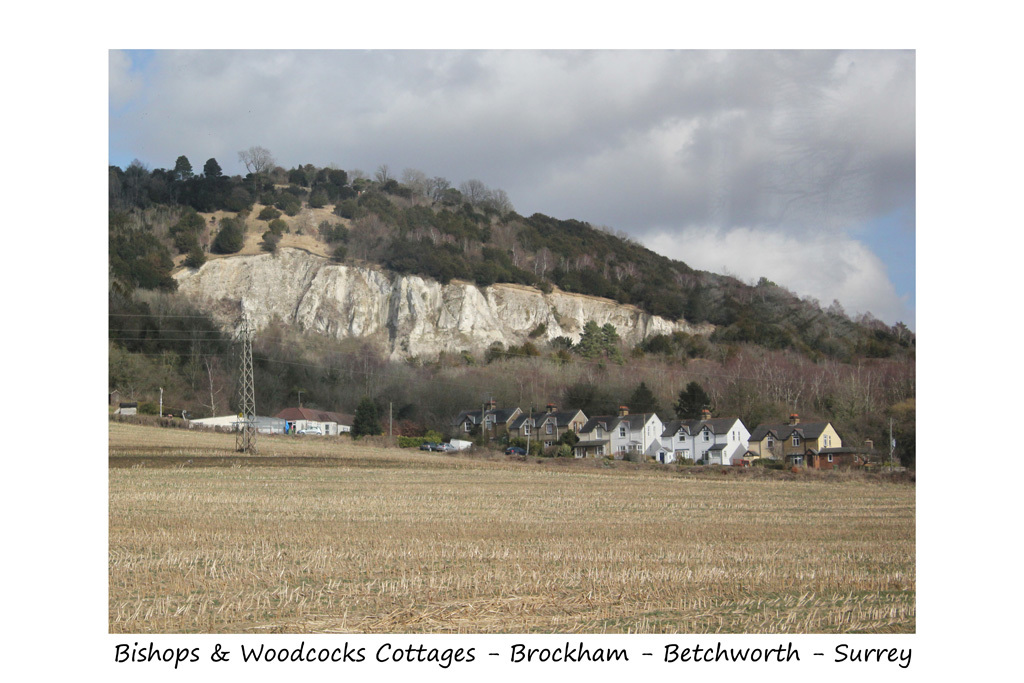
718,425
610,422
806,430
501,416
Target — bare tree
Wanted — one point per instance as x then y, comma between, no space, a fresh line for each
416,181
437,186
257,159
213,392
474,191
383,174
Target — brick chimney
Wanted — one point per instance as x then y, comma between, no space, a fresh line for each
492,404
551,407
623,411
794,419
705,414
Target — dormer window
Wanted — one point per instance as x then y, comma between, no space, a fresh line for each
796,439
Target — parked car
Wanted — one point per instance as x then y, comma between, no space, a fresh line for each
311,430
446,448
515,450
431,446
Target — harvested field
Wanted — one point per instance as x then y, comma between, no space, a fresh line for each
318,535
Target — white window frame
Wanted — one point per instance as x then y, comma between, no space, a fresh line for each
622,431
796,439
830,457
707,435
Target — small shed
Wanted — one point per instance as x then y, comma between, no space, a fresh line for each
127,408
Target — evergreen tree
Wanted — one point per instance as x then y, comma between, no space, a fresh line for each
365,421
183,168
211,169
643,400
692,400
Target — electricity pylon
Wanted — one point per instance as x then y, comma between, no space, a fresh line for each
245,439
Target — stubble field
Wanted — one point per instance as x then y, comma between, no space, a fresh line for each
318,535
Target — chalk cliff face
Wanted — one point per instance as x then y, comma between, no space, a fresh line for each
410,315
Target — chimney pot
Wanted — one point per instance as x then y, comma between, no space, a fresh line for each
623,411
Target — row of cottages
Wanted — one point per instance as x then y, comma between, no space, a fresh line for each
712,441
308,418
495,422
715,441
548,427
620,435
805,444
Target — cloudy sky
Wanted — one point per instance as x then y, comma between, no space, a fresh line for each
794,165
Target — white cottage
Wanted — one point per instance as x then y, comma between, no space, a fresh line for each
620,435
714,441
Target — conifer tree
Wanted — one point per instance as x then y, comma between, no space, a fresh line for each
365,420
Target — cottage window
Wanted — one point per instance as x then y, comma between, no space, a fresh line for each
796,440
468,426
798,460
526,429
830,457
622,430
549,428
771,441
707,435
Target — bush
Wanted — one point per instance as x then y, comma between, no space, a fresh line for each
349,209
318,199
270,241
196,258
269,213
279,226
230,238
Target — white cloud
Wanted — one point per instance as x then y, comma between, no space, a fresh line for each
122,83
824,266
